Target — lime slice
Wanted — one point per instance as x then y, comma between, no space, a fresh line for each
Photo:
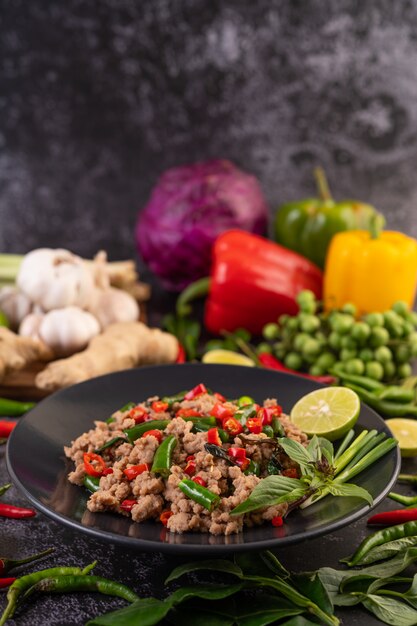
227,357
328,412
405,432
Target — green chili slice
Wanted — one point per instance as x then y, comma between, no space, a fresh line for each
171,400
199,494
92,483
127,407
277,427
163,457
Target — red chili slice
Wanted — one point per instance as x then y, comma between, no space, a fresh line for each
188,413
135,470
198,390
267,413
165,515
190,468
232,426
159,407
214,437
139,414
94,464
127,505
200,481
219,397
153,433
221,412
254,425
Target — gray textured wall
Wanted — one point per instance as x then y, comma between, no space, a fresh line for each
97,98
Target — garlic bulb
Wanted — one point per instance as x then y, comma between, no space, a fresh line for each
29,326
67,330
15,305
55,279
113,305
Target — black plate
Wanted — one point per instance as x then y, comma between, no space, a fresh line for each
37,464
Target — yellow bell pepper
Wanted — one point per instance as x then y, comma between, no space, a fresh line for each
370,269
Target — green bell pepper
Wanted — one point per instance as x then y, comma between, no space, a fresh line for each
307,226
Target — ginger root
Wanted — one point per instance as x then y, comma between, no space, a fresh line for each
121,346
16,352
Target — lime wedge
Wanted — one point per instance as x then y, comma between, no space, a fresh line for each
405,432
227,357
328,412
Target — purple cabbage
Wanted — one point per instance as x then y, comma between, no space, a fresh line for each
189,207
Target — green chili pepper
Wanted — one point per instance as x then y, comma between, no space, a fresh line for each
385,407
409,529
92,483
277,427
268,430
137,431
396,394
109,443
199,494
163,456
4,488
201,423
407,478
68,584
366,383
14,408
171,400
224,436
23,583
127,407
245,401
405,500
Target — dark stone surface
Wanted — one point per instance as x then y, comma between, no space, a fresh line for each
97,99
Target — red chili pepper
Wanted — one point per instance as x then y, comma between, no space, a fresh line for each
270,362
277,521
220,412
135,470
232,426
15,512
181,356
219,397
99,464
254,425
153,433
214,437
187,413
198,390
200,481
239,455
159,407
190,468
267,413
139,414
388,518
290,473
190,457
165,515
107,471
252,282
127,505
6,427
6,582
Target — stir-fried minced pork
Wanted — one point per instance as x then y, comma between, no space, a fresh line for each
216,446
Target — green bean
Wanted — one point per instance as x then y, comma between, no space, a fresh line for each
199,494
163,456
380,537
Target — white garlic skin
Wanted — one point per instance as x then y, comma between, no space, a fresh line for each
15,305
55,279
68,330
113,305
29,326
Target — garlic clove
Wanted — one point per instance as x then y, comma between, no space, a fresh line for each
15,305
68,330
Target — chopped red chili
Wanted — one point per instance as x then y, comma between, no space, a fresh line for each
6,427
267,413
254,425
181,356
219,397
220,412
232,426
290,473
199,481
190,457
159,407
188,413
198,390
237,453
153,433
94,464
214,437
107,471
139,414
127,505
277,521
190,468
135,470
165,515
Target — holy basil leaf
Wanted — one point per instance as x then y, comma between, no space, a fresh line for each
263,609
411,594
331,579
267,493
310,585
146,612
390,610
348,489
379,583
313,448
299,621
390,568
274,564
185,617
392,548
218,565
327,449
297,453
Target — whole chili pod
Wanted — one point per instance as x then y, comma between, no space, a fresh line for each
384,407
388,518
380,537
405,500
271,362
199,494
23,583
7,564
6,582
14,408
163,456
15,512
68,584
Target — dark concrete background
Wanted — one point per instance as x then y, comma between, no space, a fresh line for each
98,98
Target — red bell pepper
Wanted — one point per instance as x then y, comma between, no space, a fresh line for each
253,281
